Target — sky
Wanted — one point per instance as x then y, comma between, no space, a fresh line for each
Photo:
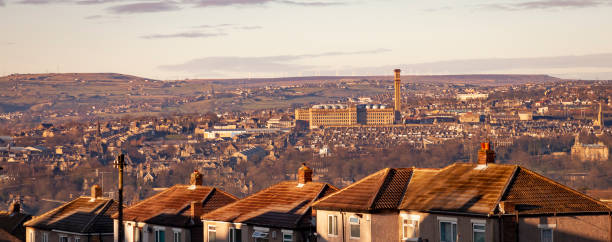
180,39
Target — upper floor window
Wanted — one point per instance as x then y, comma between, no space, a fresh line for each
287,236
32,237
235,235
212,233
160,235
355,227
177,236
546,232
332,225
478,232
63,238
410,228
448,231
45,237
546,235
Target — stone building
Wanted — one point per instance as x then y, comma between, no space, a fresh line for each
590,152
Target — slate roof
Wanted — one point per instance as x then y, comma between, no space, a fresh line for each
461,188
172,207
381,190
13,224
284,205
82,215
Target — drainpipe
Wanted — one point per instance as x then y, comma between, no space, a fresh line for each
501,228
343,227
517,226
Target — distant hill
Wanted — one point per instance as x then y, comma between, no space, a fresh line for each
72,77
476,79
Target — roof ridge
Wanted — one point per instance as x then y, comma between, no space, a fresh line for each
382,182
226,193
105,207
144,200
349,186
321,192
35,219
566,188
401,201
505,190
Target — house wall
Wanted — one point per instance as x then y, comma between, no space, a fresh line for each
223,228
343,226
55,236
383,229
567,228
131,228
429,226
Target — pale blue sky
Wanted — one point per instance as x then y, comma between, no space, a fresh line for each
241,38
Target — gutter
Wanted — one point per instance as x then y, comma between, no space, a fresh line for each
83,234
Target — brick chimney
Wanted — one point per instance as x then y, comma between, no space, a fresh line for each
96,191
196,209
15,208
486,155
304,174
196,178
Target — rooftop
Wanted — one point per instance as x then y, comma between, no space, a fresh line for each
81,215
284,205
461,188
172,206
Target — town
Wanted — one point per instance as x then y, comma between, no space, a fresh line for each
556,128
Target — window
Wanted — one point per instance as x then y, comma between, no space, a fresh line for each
45,237
478,232
212,233
287,236
332,225
77,239
63,238
177,236
448,231
137,234
355,227
32,237
410,228
546,235
160,236
235,235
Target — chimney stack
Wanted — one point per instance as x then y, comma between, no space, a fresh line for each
304,174
15,208
96,191
196,209
196,178
397,86
486,155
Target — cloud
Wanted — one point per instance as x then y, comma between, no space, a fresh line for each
263,64
501,65
146,7
204,31
94,17
548,4
183,35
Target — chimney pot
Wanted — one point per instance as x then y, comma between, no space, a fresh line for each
304,174
196,209
15,207
486,155
196,178
96,191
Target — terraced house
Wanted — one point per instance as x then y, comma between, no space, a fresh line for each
172,215
461,202
280,213
85,219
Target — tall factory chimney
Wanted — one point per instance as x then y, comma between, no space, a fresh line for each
398,96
